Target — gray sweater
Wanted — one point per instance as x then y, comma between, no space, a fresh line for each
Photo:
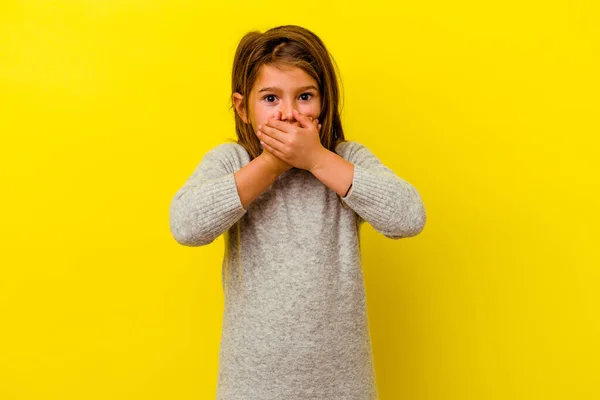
295,323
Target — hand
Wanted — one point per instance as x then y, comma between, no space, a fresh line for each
299,146
276,165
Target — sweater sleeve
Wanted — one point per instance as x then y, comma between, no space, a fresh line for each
390,204
208,203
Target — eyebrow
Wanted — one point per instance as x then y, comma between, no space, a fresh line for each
276,89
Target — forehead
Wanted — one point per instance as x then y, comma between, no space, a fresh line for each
283,77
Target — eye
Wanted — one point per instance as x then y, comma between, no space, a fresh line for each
303,94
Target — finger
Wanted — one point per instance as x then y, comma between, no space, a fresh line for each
264,137
315,122
271,122
278,124
275,117
273,133
303,119
272,150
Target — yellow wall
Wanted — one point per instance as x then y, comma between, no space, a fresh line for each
491,111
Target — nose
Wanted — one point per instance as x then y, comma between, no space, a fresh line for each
286,114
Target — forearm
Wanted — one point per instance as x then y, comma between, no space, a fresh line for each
334,172
253,179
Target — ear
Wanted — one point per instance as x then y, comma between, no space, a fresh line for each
237,101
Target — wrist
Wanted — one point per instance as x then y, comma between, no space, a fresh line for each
270,165
320,160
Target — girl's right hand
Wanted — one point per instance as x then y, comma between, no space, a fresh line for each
277,165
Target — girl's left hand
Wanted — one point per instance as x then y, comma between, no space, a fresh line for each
299,146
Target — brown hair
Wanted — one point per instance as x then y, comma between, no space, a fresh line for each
289,45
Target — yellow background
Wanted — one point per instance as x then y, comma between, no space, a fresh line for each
490,109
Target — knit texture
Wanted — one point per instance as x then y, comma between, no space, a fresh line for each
295,322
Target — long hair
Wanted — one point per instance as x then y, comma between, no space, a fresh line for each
289,45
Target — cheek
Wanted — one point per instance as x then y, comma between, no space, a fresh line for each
312,110
261,116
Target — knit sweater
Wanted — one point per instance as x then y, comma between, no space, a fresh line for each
295,324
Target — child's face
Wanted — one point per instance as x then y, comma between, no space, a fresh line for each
282,90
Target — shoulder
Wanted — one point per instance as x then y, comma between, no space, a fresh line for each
348,146
232,156
228,149
354,151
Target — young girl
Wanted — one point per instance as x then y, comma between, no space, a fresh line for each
290,196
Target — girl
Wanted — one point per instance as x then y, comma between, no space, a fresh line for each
290,196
